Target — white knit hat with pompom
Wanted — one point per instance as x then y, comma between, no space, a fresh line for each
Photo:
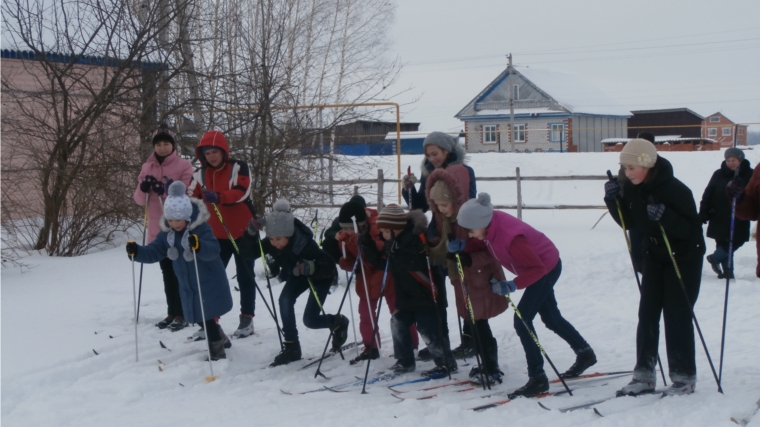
177,204
280,220
476,213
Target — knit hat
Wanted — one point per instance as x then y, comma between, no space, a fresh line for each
280,220
352,210
441,192
359,199
392,217
163,133
734,152
639,152
476,213
440,139
177,204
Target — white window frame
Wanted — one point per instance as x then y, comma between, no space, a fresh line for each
714,119
712,131
519,132
726,131
490,135
560,128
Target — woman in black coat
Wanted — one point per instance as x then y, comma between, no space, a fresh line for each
715,210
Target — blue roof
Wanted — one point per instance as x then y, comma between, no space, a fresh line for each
84,59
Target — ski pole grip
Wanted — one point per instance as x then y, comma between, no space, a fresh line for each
609,174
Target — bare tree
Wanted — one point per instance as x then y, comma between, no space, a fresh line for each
73,111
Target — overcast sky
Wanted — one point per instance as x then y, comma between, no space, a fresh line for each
646,54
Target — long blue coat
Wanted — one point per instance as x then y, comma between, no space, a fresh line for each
217,299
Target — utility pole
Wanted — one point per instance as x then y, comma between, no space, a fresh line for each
511,104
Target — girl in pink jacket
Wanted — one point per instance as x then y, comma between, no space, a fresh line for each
162,168
534,259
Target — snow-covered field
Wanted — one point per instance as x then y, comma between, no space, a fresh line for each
58,314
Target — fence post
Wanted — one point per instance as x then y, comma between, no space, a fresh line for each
519,193
380,185
356,190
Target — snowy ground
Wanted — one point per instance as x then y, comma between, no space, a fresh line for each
56,314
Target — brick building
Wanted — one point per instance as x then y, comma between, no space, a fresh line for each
722,129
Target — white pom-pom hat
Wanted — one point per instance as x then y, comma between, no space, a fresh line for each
177,204
476,213
280,220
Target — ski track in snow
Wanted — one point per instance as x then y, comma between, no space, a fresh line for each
50,316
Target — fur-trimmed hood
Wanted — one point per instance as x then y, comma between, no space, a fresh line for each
199,216
456,157
457,179
417,220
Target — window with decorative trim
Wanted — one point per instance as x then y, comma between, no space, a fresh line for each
712,132
519,134
714,119
490,134
726,131
557,133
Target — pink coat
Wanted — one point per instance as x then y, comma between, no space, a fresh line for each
173,167
499,235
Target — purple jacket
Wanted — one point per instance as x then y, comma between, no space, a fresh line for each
499,235
173,167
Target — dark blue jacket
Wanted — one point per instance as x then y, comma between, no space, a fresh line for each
217,299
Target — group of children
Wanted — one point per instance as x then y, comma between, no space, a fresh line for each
403,258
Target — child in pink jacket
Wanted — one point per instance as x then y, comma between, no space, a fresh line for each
534,259
162,168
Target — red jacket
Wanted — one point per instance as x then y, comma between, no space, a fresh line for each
232,180
374,277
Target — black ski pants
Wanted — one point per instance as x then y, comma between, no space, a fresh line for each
244,270
661,292
171,288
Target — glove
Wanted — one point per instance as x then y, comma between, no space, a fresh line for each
408,181
272,267
194,243
132,248
305,268
454,244
611,189
211,197
655,211
158,188
464,257
390,247
146,183
169,182
255,225
366,240
503,287
735,188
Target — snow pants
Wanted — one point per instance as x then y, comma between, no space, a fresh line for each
171,288
312,314
365,322
244,270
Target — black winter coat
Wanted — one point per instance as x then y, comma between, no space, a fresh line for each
301,247
408,266
716,208
680,220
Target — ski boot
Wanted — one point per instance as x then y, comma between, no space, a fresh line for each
178,324
584,359
340,333
290,353
166,322
245,327
403,366
534,387
368,353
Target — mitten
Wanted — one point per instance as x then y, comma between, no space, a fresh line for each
502,287
272,267
409,181
464,257
655,211
211,197
454,244
158,188
194,243
255,225
305,268
132,248
146,183
735,188
611,189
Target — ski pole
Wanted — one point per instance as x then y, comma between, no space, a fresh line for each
353,322
409,199
730,269
212,377
324,351
271,296
688,301
134,301
538,344
145,226
248,270
366,288
322,309
434,292
374,331
476,334
633,265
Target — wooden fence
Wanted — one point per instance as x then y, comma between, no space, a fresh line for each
519,206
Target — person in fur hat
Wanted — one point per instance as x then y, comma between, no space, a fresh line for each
533,258
183,231
419,296
715,210
656,202
369,290
445,197
163,167
293,254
